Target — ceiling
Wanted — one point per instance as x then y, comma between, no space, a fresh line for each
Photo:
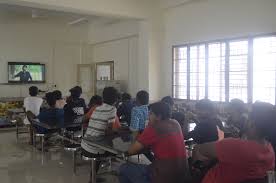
24,13
174,3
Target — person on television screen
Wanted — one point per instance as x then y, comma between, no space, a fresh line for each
24,75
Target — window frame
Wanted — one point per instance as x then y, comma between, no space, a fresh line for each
249,38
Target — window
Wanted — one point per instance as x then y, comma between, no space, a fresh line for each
180,73
197,72
238,64
216,71
264,69
227,69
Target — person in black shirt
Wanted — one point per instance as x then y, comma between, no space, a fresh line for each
168,100
207,124
237,121
24,75
180,118
75,108
124,109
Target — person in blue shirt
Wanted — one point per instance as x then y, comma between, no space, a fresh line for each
52,116
139,114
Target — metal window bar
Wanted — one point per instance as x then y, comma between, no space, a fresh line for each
231,86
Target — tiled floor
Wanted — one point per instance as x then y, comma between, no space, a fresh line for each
21,163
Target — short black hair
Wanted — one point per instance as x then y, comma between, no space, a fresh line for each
161,109
33,91
96,100
205,105
237,105
76,92
57,94
126,97
168,100
142,97
51,99
24,66
263,118
110,95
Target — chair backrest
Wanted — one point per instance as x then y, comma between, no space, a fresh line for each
30,117
264,180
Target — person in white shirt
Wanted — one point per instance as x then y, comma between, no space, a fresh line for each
32,103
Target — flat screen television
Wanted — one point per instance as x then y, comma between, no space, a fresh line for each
26,72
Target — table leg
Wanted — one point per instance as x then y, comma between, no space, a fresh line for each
42,144
34,139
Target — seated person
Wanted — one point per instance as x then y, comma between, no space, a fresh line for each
95,102
101,123
164,137
168,100
52,116
124,109
241,160
139,114
75,108
238,118
60,103
33,102
208,126
180,118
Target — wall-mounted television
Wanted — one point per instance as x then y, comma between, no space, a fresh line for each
26,72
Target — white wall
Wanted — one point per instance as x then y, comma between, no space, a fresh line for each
213,19
118,42
123,53
57,45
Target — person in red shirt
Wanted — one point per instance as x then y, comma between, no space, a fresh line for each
241,160
164,137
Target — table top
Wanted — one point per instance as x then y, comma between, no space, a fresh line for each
50,127
16,110
116,143
44,125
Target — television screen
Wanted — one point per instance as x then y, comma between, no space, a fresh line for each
26,72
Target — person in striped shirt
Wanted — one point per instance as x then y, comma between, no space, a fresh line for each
101,123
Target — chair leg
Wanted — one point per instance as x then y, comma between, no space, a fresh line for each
72,135
74,162
17,132
93,171
34,139
110,164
